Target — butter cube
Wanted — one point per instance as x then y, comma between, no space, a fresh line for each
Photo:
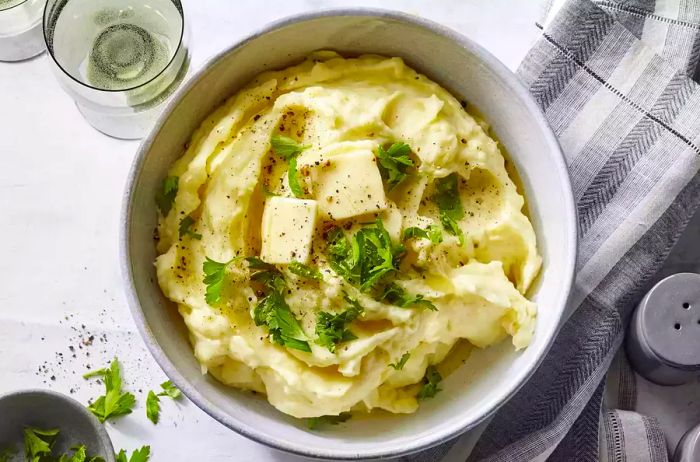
346,185
287,230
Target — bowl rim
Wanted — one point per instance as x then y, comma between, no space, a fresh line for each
136,170
99,428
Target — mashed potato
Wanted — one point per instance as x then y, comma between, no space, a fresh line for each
397,233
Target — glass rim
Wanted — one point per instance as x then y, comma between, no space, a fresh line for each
13,6
178,5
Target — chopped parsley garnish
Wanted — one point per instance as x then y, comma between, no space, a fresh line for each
401,362
166,196
367,257
169,389
450,205
430,383
289,149
393,163
315,422
113,403
38,443
152,407
214,274
185,228
139,455
305,271
432,232
331,328
396,295
7,453
272,311
153,400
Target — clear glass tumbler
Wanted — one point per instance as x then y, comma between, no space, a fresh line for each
118,59
20,29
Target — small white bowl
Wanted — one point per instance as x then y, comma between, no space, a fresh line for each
491,376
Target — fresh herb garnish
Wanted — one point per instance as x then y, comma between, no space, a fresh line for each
432,232
139,455
166,196
273,311
315,422
430,383
153,407
367,257
396,295
401,362
214,274
450,205
38,443
393,163
153,400
7,453
79,455
169,389
185,228
289,149
331,328
113,403
305,271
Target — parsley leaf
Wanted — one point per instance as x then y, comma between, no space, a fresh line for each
396,295
450,205
315,422
432,232
79,455
38,443
7,453
401,362
305,271
185,228
214,273
430,383
289,149
284,328
169,389
330,328
113,403
139,455
366,258
393,163
286,147
153,407
166,196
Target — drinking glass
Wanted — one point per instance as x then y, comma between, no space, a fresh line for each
20,29
118,59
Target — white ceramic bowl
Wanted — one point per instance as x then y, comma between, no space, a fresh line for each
491,376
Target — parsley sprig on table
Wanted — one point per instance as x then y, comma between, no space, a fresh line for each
331,328
394,163
429,387
289,149
153,400
449,203
114,402
139,455
396,295
365,258
166,196
272,311
401,362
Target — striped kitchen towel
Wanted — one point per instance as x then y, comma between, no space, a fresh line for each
614,80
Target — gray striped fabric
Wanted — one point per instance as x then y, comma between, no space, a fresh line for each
612,77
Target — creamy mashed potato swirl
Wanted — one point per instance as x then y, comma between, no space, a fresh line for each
341,111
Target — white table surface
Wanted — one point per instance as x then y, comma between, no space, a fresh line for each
61,185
